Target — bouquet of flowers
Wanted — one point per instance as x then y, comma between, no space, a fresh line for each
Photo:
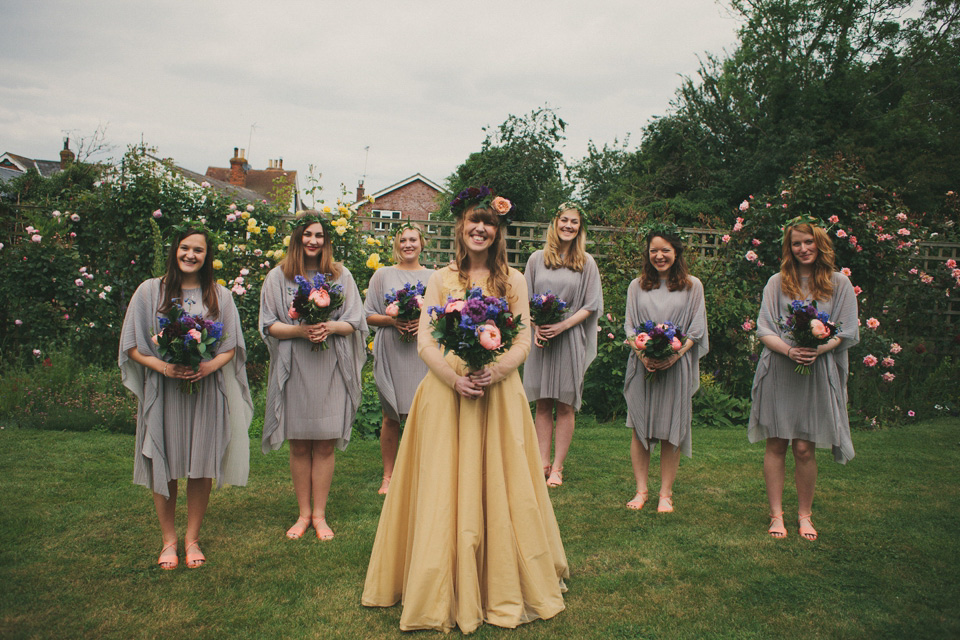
657,340
477,328
807,327
546,308
314,302
187,340
404,304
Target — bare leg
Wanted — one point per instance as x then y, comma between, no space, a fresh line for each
544,424
669,463
565,422
166,512
805,475
198,496
774,471
640,458
322,474
389,443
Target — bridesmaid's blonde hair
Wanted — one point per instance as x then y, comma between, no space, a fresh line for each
577,256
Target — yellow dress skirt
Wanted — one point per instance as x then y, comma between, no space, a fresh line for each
467,534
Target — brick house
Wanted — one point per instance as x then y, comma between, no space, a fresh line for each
262,181
15,164
414,198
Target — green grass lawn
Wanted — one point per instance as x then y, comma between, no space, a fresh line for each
80,542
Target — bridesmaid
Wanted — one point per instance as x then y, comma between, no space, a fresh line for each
807,411
201,435
660,409
397,368
553,374
312,396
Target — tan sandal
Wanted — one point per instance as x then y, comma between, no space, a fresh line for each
665,505
168,565
638,501
299,528
806,531
197,559
556,477
324,532
776,529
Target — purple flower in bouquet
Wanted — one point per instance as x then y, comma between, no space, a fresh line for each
187,340
476,328
807,327
657,341
546,308
314,302
404,304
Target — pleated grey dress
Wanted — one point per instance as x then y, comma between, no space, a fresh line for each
809,407
179,435
557,370
662,409
397,368
311,395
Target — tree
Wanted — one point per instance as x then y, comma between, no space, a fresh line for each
520,161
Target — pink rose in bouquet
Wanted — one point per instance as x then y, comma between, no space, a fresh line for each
489,336
454,305
320,298
392,310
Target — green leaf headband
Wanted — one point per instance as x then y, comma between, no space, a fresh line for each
804,219
664,228
307,217
567,206
189,227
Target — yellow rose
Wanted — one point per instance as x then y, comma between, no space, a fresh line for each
347,214
252,222
221,282
278,255
254,230
373,261
326,208
241,247
340,231
222,246
244,215
371,241
271,229
286,241
217,264
370,199
342,209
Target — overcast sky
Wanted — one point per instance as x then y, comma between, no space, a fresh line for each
315,82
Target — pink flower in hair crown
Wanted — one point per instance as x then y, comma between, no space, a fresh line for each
501,205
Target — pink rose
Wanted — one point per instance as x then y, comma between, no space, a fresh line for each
841,233
640,342
846,271
37,352
819,330
872,323
675,344
489,336
233,207
610,317
748,325
250,208
895,348
755,242
833,219
18,322
903,232
725,238
392,310
75,217
231,217
78,282
292,313
36,237
501,206
196,335
610,335
857,290
911,413
454,305
951,264
744,205
887,362
888,377
751,256
158,214
419,300
319,297
870,360
901,216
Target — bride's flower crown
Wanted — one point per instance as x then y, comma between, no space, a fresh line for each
483,198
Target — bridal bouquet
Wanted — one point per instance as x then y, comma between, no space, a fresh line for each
807,327
477,328
314,302
187,340
546,308
404,304
657,340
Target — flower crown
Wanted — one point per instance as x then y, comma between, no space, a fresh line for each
567,206
804,219
483,198
189,227
668,229
306,217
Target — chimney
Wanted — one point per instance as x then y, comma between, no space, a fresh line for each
66,156
238,176
280,164
360,191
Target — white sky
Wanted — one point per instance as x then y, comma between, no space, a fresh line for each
414,80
